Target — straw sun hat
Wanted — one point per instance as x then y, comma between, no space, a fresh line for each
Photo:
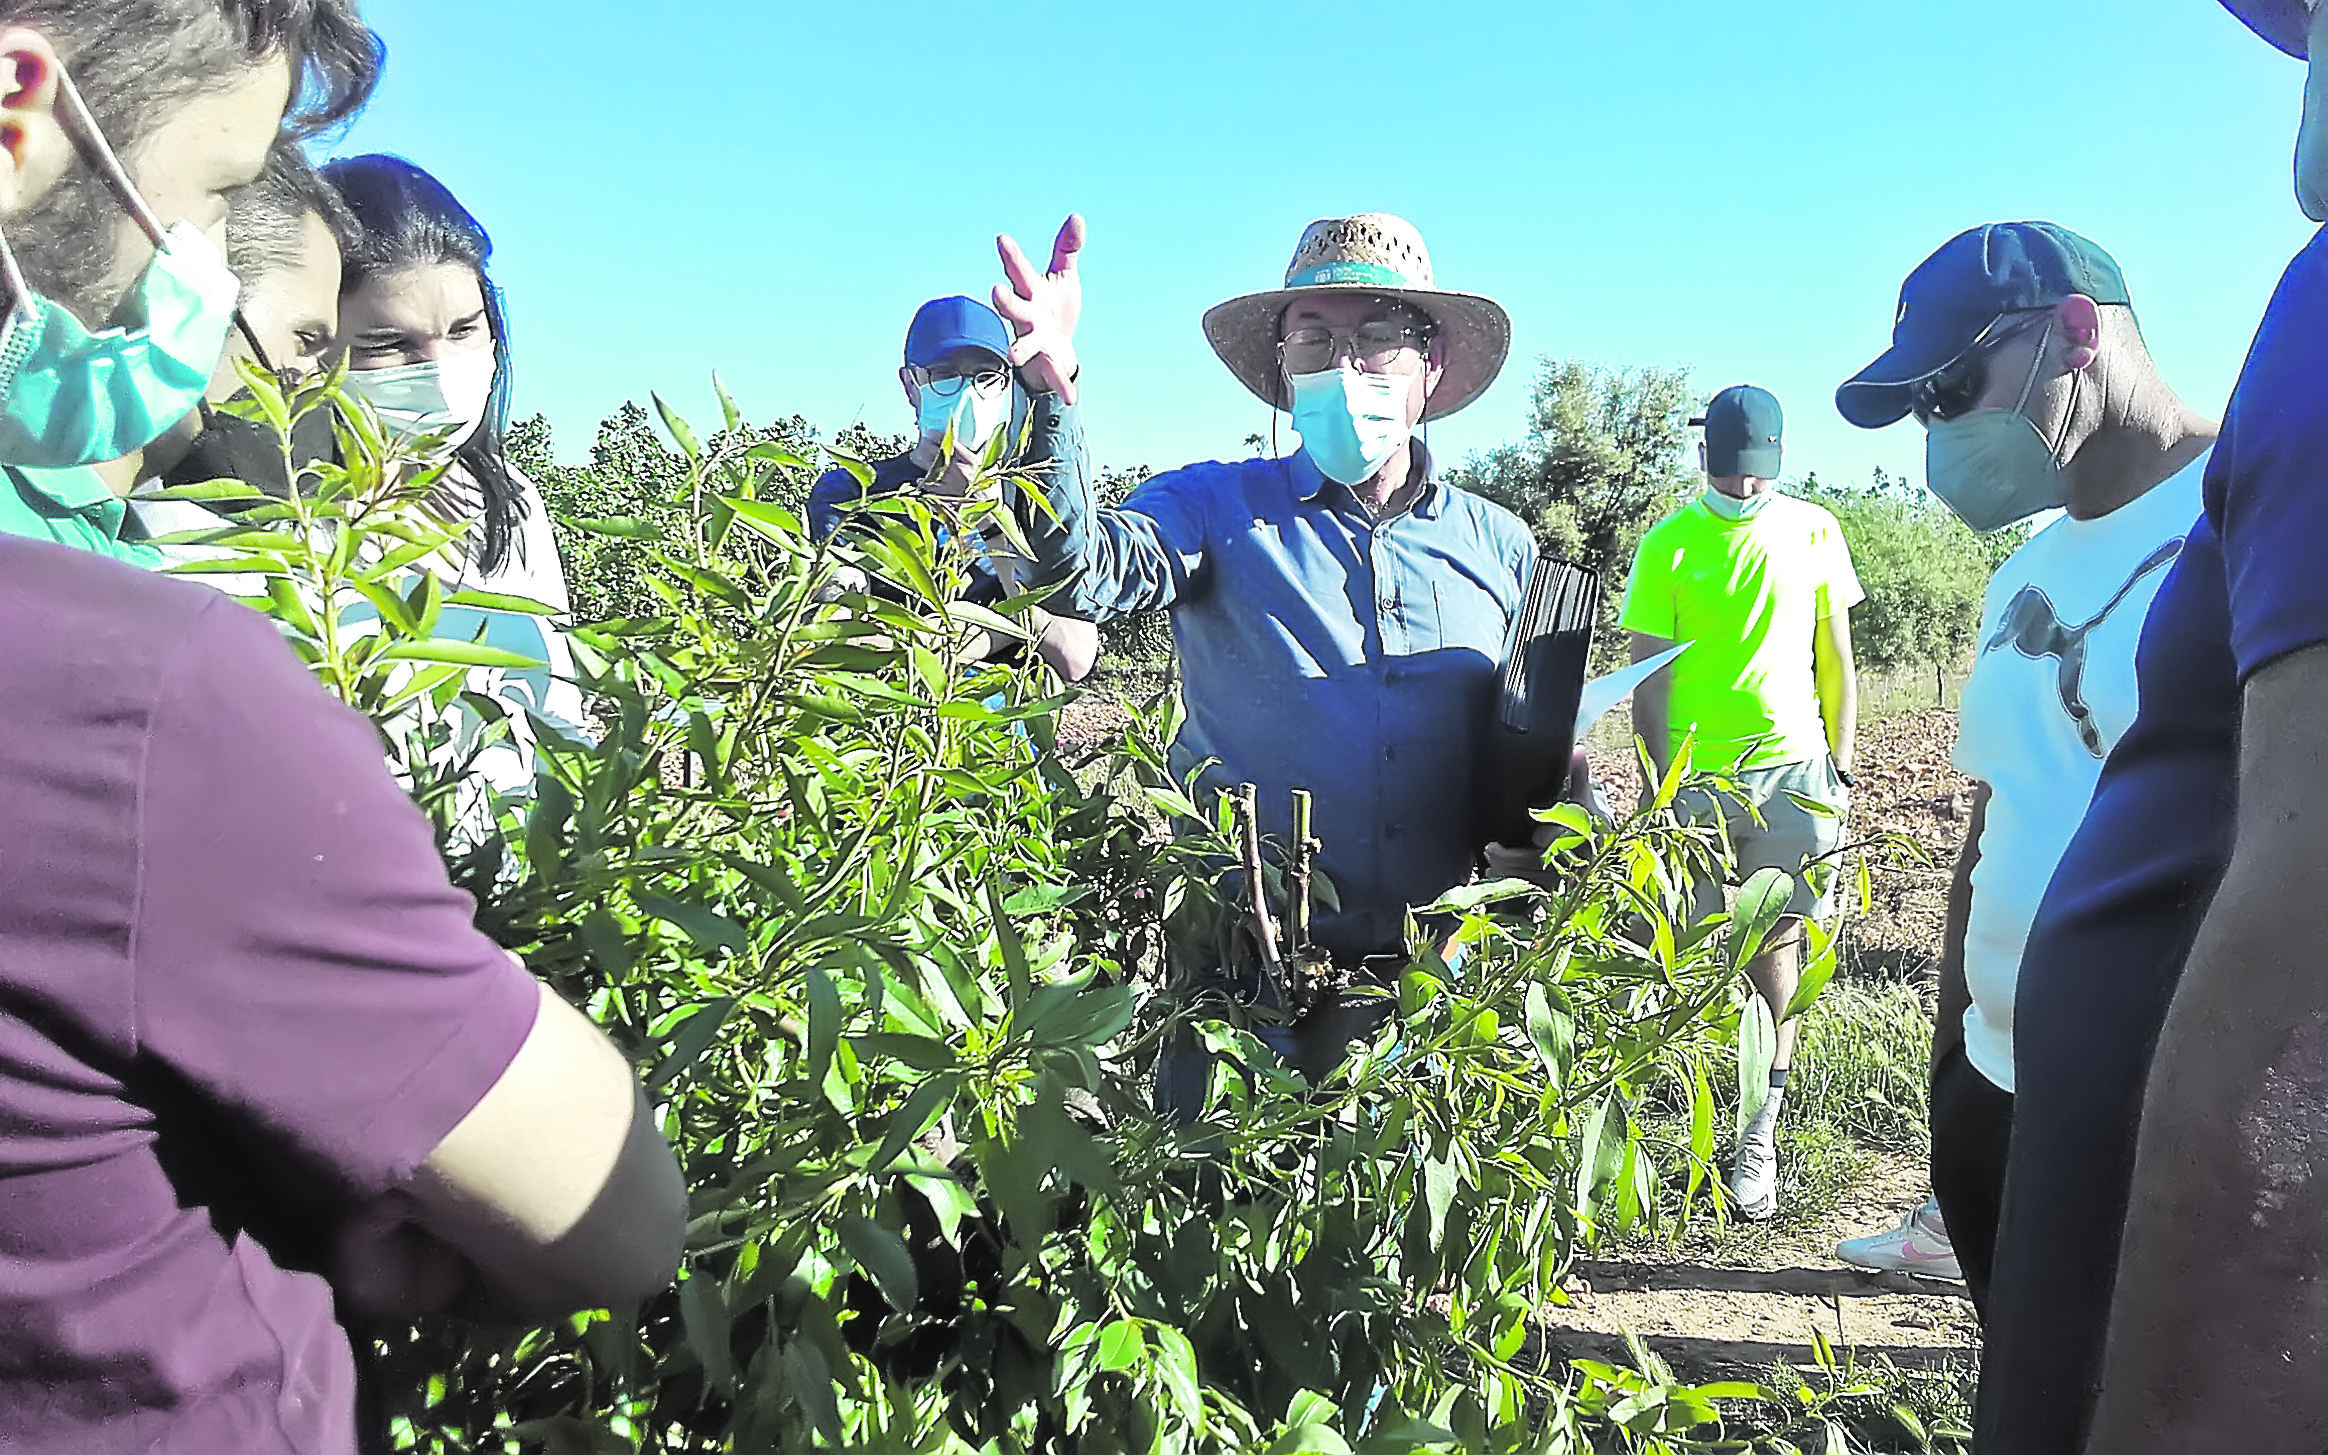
1373,253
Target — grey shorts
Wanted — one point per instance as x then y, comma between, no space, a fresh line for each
1788,837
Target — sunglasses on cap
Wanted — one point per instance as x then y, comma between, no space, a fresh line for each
1955,389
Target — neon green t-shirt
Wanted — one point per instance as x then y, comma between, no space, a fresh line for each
1747,595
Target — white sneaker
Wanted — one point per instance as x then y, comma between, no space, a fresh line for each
1754,1175
1919,1245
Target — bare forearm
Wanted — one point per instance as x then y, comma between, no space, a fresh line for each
626,1247
1838,686
2219,1324
2220,1321
1652,706
1839,707
1070,646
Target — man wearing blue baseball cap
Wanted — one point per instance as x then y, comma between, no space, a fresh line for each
2164,1243
1760,586
2016,347
959,381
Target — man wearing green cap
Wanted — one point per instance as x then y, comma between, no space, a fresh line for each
2015,346
1760,586
2164,1242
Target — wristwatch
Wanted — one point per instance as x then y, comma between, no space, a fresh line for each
1843,776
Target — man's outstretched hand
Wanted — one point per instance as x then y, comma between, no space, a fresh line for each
1043,309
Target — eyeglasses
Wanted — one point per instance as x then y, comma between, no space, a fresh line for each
1957,388
1373,346
944,383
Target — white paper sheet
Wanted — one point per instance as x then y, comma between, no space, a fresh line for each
1603,693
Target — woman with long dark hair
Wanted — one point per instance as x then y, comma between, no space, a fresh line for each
427,344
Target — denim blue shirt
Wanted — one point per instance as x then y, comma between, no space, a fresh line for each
1321,649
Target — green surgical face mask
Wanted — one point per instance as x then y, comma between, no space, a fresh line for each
70,396
1993,467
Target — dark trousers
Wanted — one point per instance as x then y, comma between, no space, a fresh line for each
1972,1132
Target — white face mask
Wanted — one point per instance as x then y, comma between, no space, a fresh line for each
1732,507
1350,423
443,396
974,413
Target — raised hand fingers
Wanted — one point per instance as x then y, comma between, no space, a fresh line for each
1015,265
1068,244
1021,313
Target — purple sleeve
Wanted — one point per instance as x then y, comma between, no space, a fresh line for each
2267,485
299,954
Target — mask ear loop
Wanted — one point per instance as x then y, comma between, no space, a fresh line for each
2029,385
98,152
2053,447
250,335
12,274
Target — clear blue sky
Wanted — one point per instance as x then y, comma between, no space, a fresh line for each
770,189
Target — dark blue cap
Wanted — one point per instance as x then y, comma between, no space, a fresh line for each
945,324
1957,296
1743,425
2285,23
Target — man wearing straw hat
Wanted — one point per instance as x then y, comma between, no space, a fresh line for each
2163,1245
1340,612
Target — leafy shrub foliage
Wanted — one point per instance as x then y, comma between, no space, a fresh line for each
1138,649
1605,458
890,968
1924,572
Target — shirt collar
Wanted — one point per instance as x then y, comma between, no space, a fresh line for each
76,489
1309,482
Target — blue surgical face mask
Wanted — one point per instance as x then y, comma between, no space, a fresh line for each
69,396
1350,423
1732,507
974,412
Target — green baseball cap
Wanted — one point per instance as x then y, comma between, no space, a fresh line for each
1742,425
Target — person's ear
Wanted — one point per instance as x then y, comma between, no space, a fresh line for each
912,390
1434,371
35,152
2312,130
2078,320
1701,457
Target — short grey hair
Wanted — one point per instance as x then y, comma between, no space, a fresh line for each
266,224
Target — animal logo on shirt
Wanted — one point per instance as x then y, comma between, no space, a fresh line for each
2036,631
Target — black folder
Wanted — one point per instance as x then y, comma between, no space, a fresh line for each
1532,733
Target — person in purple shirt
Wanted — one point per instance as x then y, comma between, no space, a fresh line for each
1340,613
2163,1244
259,1072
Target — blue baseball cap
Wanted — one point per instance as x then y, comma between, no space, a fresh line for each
1743,425
943,325
1958,296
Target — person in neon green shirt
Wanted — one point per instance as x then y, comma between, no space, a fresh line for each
1760,586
